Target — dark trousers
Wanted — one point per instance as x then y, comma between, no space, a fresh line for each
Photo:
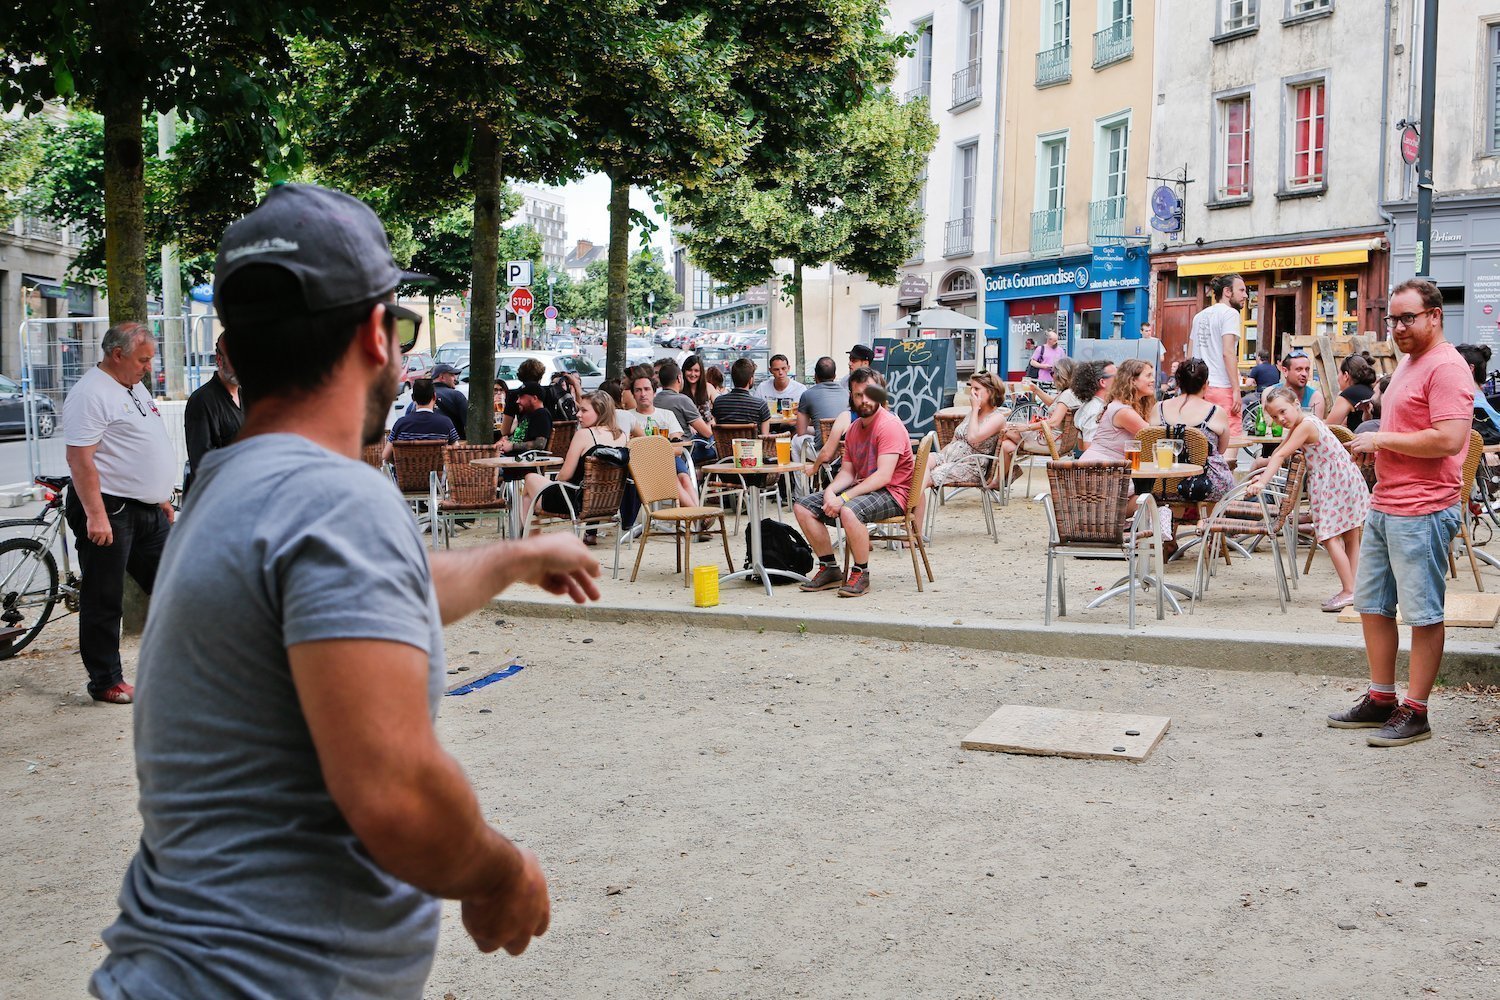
140,531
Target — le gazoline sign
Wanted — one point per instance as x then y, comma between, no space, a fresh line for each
1279,259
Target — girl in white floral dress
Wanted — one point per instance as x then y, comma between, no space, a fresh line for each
1340,498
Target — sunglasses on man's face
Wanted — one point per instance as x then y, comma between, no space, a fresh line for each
404,323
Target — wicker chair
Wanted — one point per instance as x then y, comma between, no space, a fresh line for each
1054,446
904,528
1088,516
472,490
990,485
945,425
418,469
562,436
1235,517
1195,448
1344,434
371,454
598,503
655,475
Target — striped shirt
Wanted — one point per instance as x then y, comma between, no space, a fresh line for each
424,425
739,406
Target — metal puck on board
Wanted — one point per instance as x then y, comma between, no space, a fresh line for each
1119,749
1132,732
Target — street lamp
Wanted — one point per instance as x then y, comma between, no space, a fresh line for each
651,310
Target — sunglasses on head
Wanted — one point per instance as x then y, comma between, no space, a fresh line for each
404,323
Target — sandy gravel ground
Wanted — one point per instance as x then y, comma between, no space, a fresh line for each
741,815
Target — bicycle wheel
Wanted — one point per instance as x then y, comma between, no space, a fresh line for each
28,590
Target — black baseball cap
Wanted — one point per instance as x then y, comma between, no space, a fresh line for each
530,389
442,368
331,242
859,352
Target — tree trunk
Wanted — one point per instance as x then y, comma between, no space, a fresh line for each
485,162
124,194
617,311
797,322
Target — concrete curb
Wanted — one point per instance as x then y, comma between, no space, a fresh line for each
1336,655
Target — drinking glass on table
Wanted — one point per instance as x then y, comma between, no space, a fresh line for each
1133,453
1166,452
783,451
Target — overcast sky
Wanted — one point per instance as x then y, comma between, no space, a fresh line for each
587,207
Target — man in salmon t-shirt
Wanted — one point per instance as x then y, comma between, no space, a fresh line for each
1419,449
872,485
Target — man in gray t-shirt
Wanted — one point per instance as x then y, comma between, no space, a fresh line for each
299,817
825,399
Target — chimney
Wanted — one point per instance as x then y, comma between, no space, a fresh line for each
584,246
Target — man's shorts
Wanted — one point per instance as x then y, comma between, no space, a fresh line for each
867,507
1228,400
1405,560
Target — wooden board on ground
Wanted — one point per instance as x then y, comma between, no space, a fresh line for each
1060,732
1459,611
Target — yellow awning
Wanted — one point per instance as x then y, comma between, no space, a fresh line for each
1279,258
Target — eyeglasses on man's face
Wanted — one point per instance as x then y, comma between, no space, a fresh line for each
404,323
1405,319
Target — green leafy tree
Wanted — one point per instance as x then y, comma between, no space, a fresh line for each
648,276
850,199
701,87
220,65
22,152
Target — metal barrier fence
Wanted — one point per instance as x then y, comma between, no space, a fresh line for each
56,352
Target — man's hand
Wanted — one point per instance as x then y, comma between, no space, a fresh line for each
1366,443
511,917
169,510
101,532
832,504
559,563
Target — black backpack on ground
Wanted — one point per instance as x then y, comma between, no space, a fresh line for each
781,547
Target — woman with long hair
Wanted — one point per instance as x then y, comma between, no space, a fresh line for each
695,387
1191,410
597,428
1127,409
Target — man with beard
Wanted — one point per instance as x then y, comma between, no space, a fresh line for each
871,485
213,414
299,815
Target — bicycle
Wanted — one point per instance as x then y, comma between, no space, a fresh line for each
29,584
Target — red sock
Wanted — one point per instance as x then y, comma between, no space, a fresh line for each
1384,697
1414,704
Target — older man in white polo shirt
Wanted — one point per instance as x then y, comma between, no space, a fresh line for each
119,507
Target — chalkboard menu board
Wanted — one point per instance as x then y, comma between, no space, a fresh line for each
920,377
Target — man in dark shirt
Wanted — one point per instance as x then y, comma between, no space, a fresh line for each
213,414
825,399
532,427
450,402
422,422
1265,373
739,405
531,372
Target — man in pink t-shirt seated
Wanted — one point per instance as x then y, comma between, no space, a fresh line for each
1419,449
872,485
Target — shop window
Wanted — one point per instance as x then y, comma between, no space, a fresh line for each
1234,148
1182,287
1336,307
965,341
1309,134
1494,89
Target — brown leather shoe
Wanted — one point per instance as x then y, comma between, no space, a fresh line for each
858,584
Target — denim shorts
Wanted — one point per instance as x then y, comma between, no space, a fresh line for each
1405,560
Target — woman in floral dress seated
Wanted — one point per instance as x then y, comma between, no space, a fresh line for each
966,458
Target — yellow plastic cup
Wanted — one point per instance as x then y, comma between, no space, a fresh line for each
705,586
783,451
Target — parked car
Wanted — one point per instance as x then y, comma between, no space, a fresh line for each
13,401
639,351
723,357
507,363
455,353
414,366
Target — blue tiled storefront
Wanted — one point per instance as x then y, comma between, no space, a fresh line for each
1078,296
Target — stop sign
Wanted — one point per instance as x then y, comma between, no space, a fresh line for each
522,301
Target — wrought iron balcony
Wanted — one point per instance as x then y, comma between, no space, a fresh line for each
920,93
966,85
1115,43
1107,219
958,237
1054,65
1047,231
